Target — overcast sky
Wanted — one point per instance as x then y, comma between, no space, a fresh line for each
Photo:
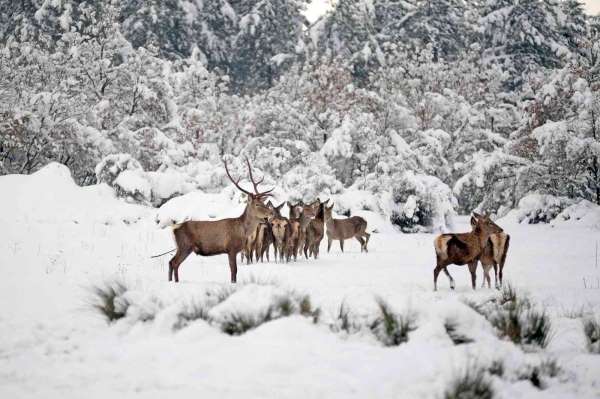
318,8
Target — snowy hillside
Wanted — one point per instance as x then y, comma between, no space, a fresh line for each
59,243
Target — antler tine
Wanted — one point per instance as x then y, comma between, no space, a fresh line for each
254,183
236,183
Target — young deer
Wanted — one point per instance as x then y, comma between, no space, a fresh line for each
463,248
343,229
226,236
316,231
279,225
291,239
494,254
309,211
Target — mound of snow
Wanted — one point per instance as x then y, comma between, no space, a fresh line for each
198,205
537,208
51,196
584,213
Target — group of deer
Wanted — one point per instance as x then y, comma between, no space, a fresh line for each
486,243
262,225
302,232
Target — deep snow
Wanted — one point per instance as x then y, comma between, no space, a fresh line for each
59,239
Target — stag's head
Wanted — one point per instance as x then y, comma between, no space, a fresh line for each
484,224
255,206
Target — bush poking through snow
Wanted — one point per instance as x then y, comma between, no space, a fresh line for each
452,331
344,321
392,329
238,323
191,312
591,329
470,384
515,318
538,374
109,300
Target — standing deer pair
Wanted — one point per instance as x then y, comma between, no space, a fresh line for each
486,243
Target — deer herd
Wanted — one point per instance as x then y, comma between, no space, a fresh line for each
262,225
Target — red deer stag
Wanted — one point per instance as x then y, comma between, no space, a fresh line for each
226,236
316,231
343,229
463,248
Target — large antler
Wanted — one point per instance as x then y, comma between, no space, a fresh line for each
236,183
256,183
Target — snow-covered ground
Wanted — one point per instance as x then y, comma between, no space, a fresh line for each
58,240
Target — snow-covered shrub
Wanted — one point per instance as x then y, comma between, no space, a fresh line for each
514,317
109,168
584,213
591,329
392,329
313,179
421,203
472,382
539,208
109,300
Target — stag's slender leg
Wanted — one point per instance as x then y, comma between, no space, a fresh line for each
500,275
306,246
449,277
367,236
233,266
496,284
329,241
174,263
362,243
472,269
342,245
436,272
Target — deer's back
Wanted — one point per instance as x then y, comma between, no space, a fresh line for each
460,248
211,237
347,228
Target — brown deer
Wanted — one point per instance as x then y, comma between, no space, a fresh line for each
279,225
308,213
316,231
225,236
494,254
463,248
265,234
291,239
343,229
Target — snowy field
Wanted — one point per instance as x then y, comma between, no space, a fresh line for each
59,240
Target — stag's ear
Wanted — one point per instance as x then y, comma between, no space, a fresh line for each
280,206
478,216
331,207
326,201
473,221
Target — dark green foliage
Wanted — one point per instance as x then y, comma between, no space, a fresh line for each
591,329
496,368
514,317
344,322
539,373
456,337
472,383
239,323
191,312
109,301
390,328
